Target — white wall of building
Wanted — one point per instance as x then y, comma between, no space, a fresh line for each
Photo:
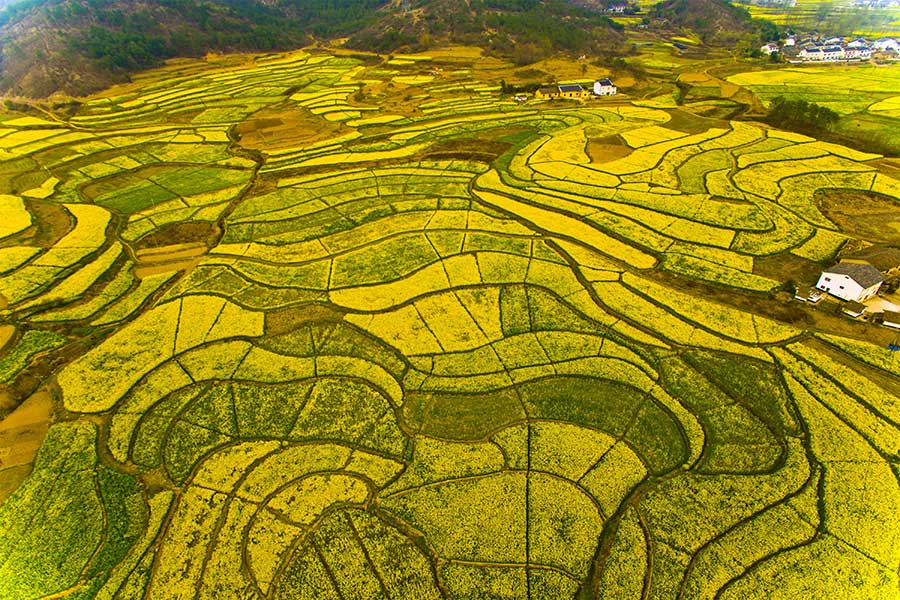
604,90
844,287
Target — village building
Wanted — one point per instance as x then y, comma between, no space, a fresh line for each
887,45
854,309
573,90
769,48
808,294
604,87
891,318
864,53
811,53
790,42
853,282
832,53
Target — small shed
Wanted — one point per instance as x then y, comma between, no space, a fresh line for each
808,294
854,309
891,318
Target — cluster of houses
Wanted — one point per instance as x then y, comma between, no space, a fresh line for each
855,282
602,87
834,49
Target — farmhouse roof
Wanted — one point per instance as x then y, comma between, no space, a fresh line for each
864,274
574,87
605,81
832,49
549,90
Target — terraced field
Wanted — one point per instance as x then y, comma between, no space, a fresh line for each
865,96
316,328
842,17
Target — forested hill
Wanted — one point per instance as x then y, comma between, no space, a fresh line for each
525,30
717,22
78,46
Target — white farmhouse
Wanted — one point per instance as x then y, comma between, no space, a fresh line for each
832,53
854,282
604,87
812,53
887,45
769,48
857,53
858,43
790,41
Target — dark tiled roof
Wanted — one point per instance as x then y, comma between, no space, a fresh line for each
605,82
832,49
865,275
571,88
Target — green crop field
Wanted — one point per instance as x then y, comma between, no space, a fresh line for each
301,326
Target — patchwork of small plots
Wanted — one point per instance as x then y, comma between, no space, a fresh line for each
843,89
431,356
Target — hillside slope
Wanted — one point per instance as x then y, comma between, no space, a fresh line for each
717,22
79,46
526,30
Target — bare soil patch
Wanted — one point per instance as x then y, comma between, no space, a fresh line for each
284,127
119,181
50,222
206,233
607,149
690,123
178,257
6,333
289,319
469,149
888,166
787,267
867,215
166,267
21,434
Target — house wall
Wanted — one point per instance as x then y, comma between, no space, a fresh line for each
845,288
